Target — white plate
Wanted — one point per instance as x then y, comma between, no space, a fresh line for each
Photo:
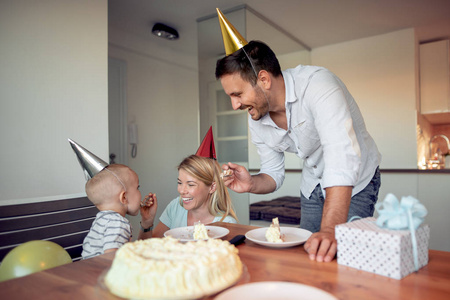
186,234
266,290
292,237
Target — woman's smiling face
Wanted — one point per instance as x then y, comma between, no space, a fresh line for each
193,192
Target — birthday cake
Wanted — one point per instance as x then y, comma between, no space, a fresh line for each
165,268
273,234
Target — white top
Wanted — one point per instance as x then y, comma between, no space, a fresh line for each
325,129
175,215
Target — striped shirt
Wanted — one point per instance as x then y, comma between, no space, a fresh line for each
108,231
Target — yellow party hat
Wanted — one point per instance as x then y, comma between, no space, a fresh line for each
232,39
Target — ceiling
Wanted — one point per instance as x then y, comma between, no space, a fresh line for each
314,23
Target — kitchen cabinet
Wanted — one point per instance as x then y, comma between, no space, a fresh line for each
230,128
434,78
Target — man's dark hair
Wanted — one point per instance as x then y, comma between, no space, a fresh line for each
263,58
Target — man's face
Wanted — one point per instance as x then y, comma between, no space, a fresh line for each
244,96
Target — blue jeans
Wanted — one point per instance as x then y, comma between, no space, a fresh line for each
361,205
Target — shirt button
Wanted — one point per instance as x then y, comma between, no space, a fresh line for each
315,167
289,132
320,177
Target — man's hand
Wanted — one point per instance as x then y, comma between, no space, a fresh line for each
321,246
240,180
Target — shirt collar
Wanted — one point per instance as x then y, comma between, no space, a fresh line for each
291,97
289,87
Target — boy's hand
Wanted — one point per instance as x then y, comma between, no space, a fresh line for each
149,205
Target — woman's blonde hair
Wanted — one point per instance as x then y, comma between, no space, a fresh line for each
208,171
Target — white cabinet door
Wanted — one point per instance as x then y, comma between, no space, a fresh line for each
230,127
434,77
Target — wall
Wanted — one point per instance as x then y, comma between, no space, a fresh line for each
380,74
432,191
162,97
53,86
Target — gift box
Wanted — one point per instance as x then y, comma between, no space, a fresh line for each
362,244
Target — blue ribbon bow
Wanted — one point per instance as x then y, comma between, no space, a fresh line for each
409,213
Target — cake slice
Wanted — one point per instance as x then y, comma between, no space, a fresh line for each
273,234
200,231
226,173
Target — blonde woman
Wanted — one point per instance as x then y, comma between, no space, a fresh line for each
203,197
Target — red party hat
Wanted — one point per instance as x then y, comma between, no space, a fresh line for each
207,148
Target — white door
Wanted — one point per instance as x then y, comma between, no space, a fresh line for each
117,111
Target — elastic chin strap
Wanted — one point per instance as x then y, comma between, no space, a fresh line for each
117,177
256,74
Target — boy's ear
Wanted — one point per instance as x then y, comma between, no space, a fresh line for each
213,187
123,197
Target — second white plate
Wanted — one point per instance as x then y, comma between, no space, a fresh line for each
185,234
292,237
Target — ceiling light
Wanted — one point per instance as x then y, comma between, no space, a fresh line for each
165,31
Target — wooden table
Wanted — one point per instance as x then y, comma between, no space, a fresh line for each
79,280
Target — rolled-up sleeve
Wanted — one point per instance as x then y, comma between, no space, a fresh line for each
272,162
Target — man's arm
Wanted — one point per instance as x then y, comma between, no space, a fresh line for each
241,181
322,245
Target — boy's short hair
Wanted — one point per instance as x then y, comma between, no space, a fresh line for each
263,58
105,185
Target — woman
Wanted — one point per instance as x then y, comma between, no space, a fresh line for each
203,197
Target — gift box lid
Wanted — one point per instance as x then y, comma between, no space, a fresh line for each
367,231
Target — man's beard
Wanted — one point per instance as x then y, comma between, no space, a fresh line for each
262,109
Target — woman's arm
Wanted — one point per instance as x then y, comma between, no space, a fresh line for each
159,230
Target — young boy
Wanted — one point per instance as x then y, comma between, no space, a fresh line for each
115,192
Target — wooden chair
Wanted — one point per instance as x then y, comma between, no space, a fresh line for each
65,222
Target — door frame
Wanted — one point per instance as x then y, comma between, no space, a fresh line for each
119,66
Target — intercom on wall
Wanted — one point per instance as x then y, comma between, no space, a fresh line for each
133,138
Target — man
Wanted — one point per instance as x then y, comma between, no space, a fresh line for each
309,111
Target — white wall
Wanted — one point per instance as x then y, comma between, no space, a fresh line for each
162,95
53,86
380,74
432,190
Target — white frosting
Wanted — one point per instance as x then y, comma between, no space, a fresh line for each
200,232
166,268
273,234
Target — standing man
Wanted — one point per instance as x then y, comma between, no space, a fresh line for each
308,111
